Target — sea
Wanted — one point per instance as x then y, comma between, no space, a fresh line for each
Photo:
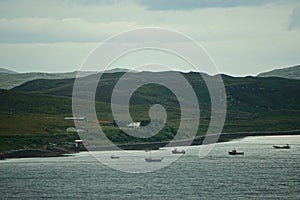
263,172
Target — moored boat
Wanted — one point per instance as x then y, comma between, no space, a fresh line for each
287,146
235,152
150,159
114,157
175,151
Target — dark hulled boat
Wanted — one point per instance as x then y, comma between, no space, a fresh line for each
114,157
287,146
150,159
234,152
175,151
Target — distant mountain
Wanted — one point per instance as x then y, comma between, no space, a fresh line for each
7,71
289,73
11,80
254,94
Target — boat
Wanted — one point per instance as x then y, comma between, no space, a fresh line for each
114,157
175,151
287,146
234,152
150,159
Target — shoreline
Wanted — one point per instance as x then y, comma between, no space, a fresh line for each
199,140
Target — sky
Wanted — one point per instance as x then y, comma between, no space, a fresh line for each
242,37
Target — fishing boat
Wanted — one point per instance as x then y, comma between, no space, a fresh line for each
235,152
175,151
287,146
150,159
114,157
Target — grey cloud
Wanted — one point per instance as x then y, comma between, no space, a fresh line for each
194,4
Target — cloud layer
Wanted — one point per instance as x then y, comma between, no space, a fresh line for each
243,37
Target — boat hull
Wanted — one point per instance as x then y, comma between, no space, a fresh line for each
178,152
236,153
175,151
114,157
281,147
153,159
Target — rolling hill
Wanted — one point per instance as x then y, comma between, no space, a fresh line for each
11,80
243,93
253,104
6,71
288,73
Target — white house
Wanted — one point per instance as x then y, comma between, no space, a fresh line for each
134,124
76,118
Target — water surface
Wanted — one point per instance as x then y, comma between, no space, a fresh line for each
262,173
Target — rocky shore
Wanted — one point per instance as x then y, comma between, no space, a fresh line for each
31,153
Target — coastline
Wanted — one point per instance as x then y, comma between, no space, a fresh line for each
33,153
199,140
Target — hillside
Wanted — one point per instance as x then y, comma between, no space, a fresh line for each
248,98
254,104
289,73
11,80
253,94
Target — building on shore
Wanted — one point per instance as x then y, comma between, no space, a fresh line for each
134,124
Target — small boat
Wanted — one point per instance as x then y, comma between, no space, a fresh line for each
175,151
287,146
150,159
114,157
234,152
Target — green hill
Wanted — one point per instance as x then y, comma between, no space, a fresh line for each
255,94
36,109
248,98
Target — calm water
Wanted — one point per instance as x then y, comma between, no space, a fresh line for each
262,173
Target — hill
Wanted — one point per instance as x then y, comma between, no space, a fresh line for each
269,103
253,104
243,93
6,71
289,73
11,80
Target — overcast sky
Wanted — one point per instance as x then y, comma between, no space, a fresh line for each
243,37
